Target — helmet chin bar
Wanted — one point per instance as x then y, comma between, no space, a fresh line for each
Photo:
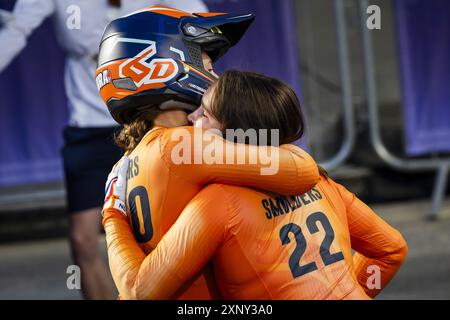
175,105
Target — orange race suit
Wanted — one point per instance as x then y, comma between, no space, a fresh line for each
159,188
266,246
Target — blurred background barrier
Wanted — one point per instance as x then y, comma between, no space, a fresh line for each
424,50
435,99
34,111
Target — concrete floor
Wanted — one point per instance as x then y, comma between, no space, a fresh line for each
37,270
426,271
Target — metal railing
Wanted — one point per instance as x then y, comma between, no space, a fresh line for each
346,91
32,197
441,165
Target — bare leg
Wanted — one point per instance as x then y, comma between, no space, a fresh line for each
96,281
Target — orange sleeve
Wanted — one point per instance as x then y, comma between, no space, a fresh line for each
376,243
202,157
182,252
124,254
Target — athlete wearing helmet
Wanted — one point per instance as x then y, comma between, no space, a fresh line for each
149,75
262,245
157,55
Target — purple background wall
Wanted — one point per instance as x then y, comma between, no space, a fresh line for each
33,110
424,49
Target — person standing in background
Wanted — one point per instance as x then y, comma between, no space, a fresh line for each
89,151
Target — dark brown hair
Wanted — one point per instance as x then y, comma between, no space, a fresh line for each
131,134
247,100
244,100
